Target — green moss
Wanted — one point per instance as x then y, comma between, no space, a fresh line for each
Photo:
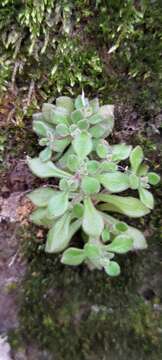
63,47
76,313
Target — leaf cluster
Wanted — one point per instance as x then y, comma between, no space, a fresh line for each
90,171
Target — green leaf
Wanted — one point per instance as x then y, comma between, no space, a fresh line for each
121,226
39,217
62,130
87,111
146,197
95,119
127,205
82,144
61,144
48,111
105,234
38,117
55,115
121,244
108,166
92,251
45,170
94,103
73,256
81,101
45,154
59,235
58,204
120,152
90,185
112,268
82,125
42,129
65,102
40,197
62,163
133,181
73,163
92,220
139,241
102,149
153,178
107,113
92,166
98,130
78,210
136,158
43,142
76,116
64,185
115,181
143,170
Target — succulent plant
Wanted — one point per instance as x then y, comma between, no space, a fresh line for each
89,171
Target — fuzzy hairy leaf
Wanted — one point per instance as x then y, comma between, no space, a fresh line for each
92,166
136,158
61,144
45,169
146,197
55,115
73,256
58,204
78,210
42,129
153,178
45,154
139,241
143,170
82,144
92,220
121,226
121,244
94,103
107,166
115,181
133,181
120,152
112,268
48,111
62,130
125,205
39,217
102,149
65,102
107,113
95,119
92,251
105,234
59,235
90,185
41,196
76,116
82,125
73,162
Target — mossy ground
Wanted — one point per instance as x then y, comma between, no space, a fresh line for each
78,314
72,312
